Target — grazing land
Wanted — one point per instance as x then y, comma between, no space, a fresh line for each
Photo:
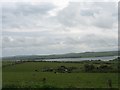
44,74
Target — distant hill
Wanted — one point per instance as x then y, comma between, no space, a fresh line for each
68,55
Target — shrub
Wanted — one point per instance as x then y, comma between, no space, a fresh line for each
89,67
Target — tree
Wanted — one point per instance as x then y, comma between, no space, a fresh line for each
89,67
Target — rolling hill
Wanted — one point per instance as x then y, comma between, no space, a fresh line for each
68,55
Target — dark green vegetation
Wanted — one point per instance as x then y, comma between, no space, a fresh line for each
69,55
83,74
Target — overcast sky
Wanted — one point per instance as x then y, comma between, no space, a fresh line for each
58,27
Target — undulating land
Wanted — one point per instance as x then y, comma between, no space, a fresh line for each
42,74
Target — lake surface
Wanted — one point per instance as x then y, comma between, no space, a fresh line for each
83,59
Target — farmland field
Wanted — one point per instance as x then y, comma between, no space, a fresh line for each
35,75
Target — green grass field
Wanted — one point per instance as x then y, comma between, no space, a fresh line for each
24,76
61,80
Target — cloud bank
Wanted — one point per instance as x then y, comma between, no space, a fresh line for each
52,27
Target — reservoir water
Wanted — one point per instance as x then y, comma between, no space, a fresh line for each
83,59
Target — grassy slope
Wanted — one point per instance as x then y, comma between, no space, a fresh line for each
24,75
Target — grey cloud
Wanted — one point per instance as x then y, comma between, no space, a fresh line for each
57,44
27,9
91,40
13,42
67,17
102,15
29,29
24,15
87,12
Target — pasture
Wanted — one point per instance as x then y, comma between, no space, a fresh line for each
32,75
